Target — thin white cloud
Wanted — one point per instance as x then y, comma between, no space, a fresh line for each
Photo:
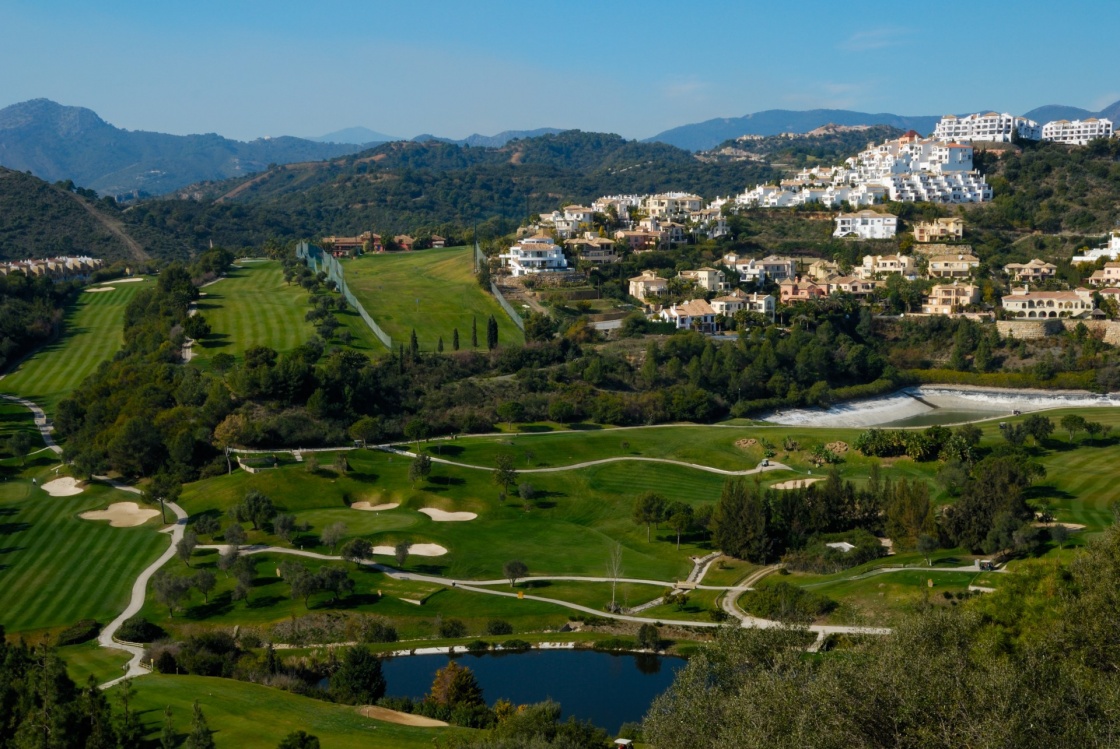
689,88
873,39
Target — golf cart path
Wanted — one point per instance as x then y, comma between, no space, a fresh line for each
42,423
482,586
772,466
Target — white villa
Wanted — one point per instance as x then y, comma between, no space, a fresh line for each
696,314
708,279
769,268
950,298
1110,250
989,127
1035,270
866,224
536,254
739,300
1025,303
1077,132
875,265
647,285
672,205
952,266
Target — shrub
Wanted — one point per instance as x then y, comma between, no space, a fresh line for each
517,645
616,643
83,631
499,627
788,603
452,628
478,646
139,629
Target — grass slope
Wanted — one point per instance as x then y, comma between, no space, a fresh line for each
252,306
443,280
247,716
56,568
91,335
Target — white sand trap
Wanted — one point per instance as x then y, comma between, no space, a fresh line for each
442,516
367,507
1069,526
122,515
63,487
103,288
416,550
125,280
795,484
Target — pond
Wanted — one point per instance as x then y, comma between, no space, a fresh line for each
606,688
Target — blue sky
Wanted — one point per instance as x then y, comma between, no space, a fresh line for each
247,69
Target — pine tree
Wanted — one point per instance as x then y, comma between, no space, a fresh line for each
200,736
400,359
474,332
455,339
414,346
439,345
97,718
129,728
167,735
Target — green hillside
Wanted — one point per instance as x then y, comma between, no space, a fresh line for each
431,292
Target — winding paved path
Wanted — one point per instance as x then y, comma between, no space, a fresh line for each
773,465
42,423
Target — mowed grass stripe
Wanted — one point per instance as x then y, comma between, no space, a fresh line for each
60,568
443,281
92,333
252,306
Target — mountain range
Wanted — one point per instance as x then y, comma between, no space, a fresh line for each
58,143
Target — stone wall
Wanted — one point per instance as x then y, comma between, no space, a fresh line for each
1028,330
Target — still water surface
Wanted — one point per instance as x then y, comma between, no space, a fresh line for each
605,688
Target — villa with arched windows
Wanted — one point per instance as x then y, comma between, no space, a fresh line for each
1026,304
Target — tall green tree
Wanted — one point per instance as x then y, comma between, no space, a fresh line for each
200,737
358,680
740,522
649,508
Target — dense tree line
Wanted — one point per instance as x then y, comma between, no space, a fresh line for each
31,312
1033,665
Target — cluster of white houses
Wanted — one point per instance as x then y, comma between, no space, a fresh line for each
906,169
58,268
667,219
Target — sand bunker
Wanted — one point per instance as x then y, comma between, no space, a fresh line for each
746,444
374,508
837,447
125,280
442,516
63,487
1068,526
416,550
403,719
795,484
103,288
121,514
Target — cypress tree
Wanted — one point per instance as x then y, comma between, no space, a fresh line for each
414,346
167,735
455,339
491,333
474,332
439,345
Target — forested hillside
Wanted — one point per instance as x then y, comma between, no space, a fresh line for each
38,219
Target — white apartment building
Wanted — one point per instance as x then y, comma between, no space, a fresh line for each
1110,250
1077,132
536,254
866,225
989,127
672,205
622,204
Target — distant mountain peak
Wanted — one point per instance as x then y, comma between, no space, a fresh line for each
358,136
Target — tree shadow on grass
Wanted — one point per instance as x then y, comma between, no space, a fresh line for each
536,584
445,451
1045,491
446,480
430,569
584,426
7,529
534,428
264,602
